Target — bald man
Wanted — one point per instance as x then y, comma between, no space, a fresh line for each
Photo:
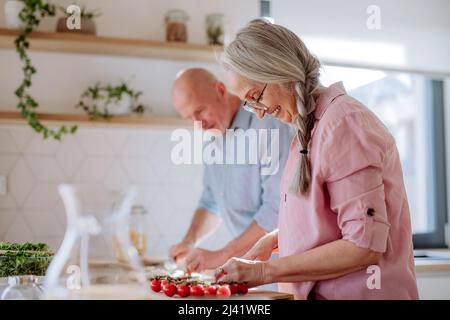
238,195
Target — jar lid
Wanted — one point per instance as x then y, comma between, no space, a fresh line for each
138,209
14,280
213,16
176,14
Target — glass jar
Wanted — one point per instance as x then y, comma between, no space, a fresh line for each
22,288
215,28
138,232
176,29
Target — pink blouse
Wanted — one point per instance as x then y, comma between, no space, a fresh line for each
357,194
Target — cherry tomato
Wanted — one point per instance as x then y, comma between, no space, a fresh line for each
155,285
183,290
197,290
210,291
170,289
233,288
224,291
164,282
242,288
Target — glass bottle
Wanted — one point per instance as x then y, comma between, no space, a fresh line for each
138,230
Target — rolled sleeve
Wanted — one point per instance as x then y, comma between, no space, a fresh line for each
354,178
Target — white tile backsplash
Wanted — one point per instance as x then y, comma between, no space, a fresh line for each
110,157
20,181
6,143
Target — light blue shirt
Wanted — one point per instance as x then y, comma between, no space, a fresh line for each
240,193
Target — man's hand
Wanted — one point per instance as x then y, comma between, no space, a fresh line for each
201,259
180,250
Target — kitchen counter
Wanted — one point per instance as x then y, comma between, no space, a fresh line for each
432,260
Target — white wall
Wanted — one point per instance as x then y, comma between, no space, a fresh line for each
414,34
61,78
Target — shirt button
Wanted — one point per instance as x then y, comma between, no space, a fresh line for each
370,212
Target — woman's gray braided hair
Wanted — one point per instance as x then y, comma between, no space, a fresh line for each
269,53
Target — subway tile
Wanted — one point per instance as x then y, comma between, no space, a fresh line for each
139,170
70,156
116,139
6,143
6,219
43,223
94,143
19,231
21,136
116,178
93,169
138,144
40,146
43,196
21,181
45,168
7,161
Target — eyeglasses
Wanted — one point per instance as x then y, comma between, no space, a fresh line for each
255,106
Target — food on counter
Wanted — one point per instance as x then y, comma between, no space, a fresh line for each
185,286
224,291
170,289
183,290
210,290
233,288
242,288
19,259
155,285
197,290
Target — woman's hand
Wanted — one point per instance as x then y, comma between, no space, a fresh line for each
262,250
240,270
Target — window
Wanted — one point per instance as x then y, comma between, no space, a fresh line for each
265,9
411,106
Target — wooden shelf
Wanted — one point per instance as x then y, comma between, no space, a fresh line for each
110,46
84,121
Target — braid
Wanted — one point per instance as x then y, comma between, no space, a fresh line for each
304,122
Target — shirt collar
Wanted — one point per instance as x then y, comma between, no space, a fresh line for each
241,119
327,96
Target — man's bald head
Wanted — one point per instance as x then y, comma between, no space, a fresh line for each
198,95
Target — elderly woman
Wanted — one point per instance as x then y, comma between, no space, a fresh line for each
344,227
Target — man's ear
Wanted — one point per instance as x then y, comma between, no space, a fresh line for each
221,89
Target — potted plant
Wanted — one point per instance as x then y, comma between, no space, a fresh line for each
104,101
87,24
31,14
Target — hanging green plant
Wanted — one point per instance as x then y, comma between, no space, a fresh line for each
31,15
104,101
